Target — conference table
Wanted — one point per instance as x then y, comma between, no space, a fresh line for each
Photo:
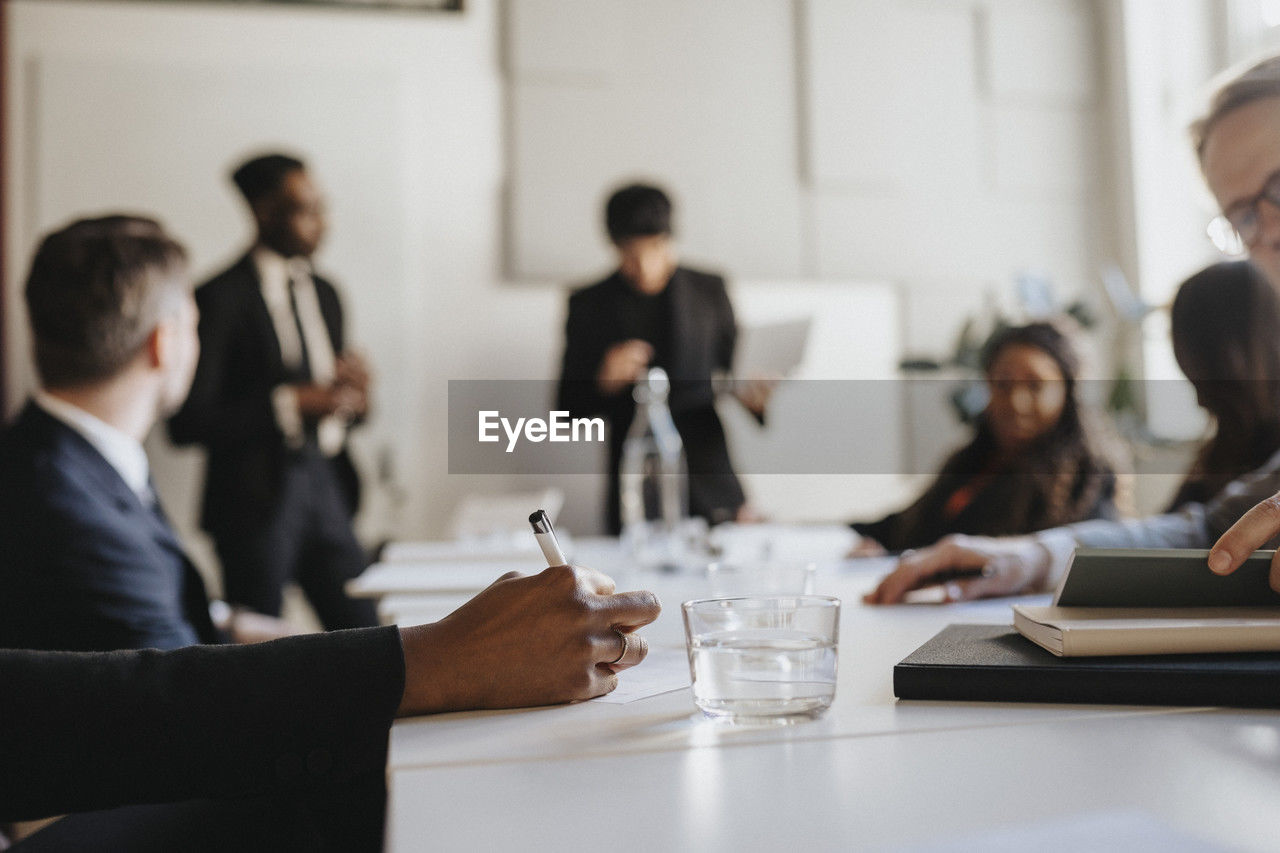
871,773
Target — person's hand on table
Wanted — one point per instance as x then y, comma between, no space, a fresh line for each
1253,531
623,364
544,639
1008,566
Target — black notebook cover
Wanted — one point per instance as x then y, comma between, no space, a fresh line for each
994,663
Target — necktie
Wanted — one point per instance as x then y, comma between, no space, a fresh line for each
305,366
318,360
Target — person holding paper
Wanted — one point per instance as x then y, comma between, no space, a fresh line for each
652,311
1032,462
1238,145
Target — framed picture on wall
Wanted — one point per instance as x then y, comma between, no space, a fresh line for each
410,5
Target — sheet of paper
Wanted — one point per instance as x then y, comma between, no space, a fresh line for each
665,669
519,546
406,578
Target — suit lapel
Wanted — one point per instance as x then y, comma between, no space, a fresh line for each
330,312
258,315
682,323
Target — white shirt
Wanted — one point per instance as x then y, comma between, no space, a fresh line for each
123,452
274,274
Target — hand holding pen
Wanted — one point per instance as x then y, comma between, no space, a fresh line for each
634,647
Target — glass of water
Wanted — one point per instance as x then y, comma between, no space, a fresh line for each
763,658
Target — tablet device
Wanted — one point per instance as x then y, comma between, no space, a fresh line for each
772,349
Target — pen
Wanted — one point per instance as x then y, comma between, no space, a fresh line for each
546,536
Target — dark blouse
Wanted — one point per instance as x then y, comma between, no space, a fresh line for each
992,509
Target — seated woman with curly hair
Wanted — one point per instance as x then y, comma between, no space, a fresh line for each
1032,463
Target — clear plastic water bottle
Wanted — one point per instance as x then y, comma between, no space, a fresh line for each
653,478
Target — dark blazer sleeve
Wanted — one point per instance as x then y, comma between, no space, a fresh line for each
86,731
335,321
726,330
224,407
883,531
584,349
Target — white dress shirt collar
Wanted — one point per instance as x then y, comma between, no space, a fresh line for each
274,268
123,452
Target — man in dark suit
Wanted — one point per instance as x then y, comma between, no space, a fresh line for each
282,745
89,560
275,394
653,312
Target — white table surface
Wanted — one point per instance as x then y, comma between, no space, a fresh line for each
871,772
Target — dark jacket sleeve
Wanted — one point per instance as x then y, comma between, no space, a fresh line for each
726,326
577,392
86,731
884,531
336,322
223,407
726,332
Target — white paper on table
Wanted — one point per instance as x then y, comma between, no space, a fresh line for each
519,546
665,669
416,578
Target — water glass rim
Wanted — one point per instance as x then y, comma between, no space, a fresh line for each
802,600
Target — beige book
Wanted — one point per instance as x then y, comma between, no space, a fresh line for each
1098,631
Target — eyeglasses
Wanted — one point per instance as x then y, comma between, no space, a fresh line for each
1236,230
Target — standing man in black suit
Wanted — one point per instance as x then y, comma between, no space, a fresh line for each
87,558
275,394
653,312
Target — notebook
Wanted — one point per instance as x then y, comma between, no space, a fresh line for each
993,663
1083,631
1155,602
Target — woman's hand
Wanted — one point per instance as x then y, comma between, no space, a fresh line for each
970,566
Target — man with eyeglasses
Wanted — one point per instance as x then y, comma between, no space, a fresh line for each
1238,144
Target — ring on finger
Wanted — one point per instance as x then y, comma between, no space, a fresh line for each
633,649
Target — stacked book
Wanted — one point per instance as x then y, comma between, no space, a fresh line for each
1126,627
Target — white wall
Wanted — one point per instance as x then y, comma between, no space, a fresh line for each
946,146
